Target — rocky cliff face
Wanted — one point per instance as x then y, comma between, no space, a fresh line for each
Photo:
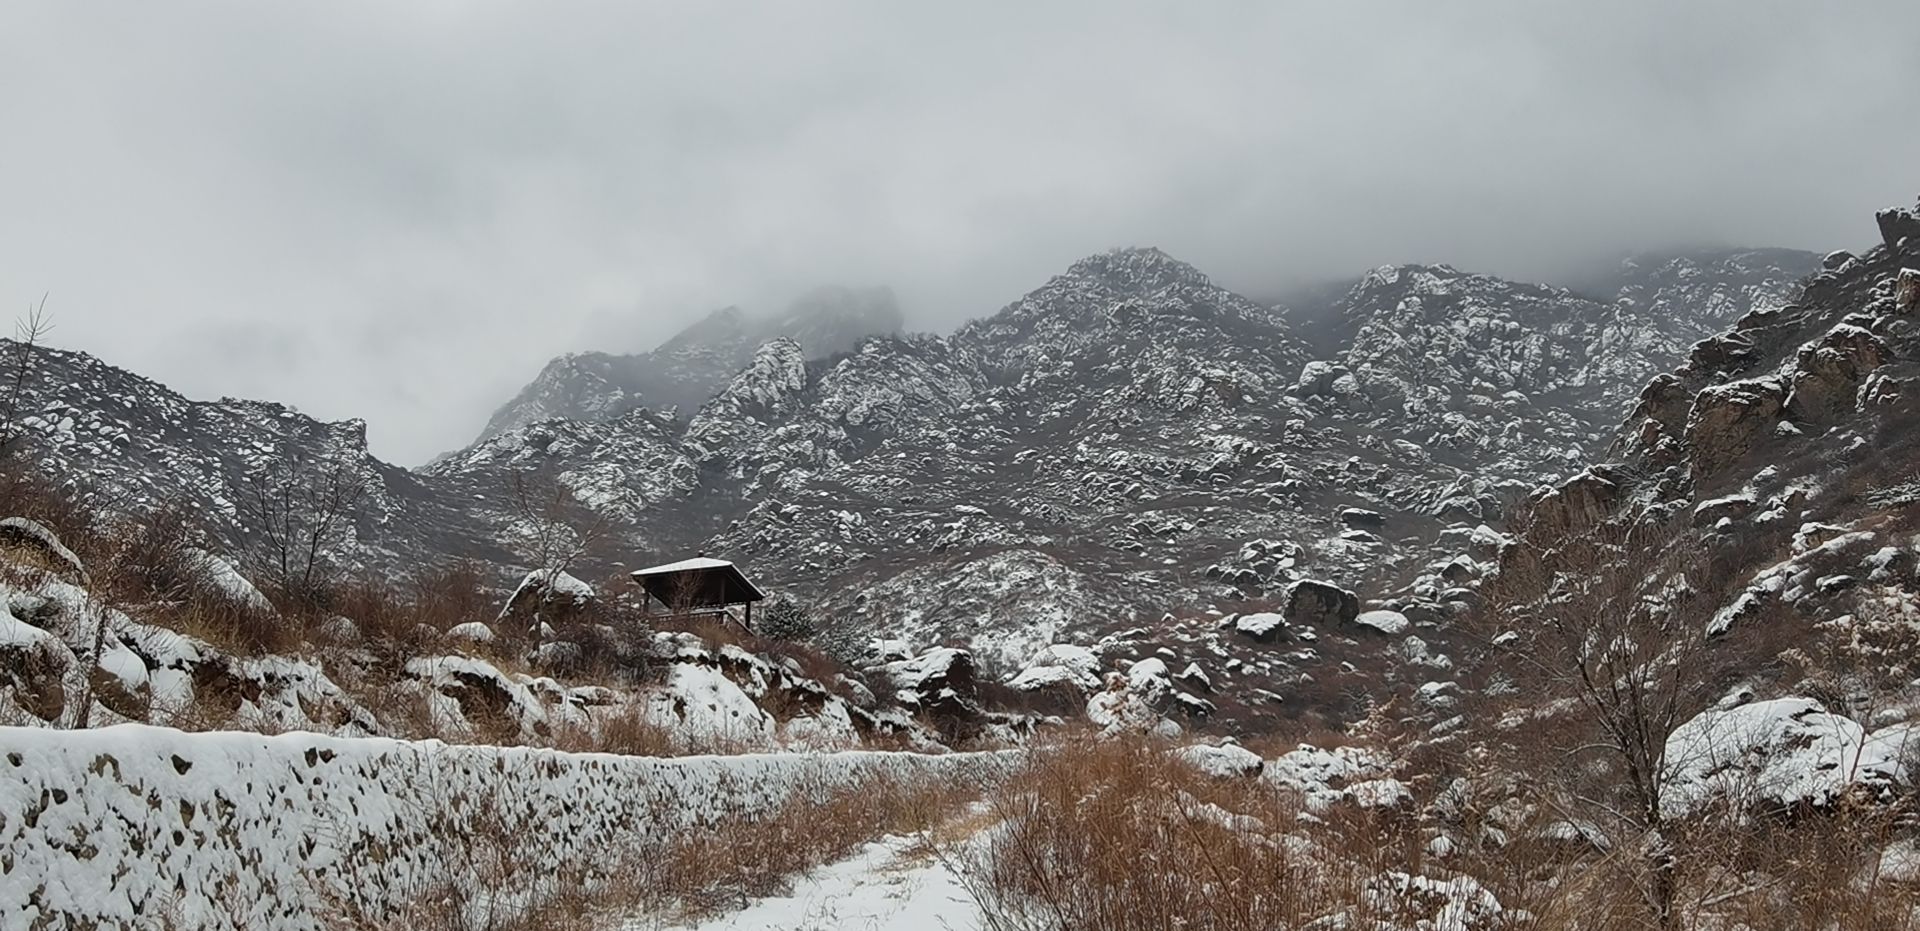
1777,461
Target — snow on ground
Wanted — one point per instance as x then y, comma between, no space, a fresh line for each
1320,774
886,886
113,826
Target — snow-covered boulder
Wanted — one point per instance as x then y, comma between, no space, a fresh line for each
1386,622
1729,508
280,693
1195,677
1261,626
557,656
470,632
467,695
1117,710
1459,903
1150,678
1059,664
704,707
339,629
1324,378
1439,696
222,577
1897,224
1135,700
1379,793
1729,420
36,667
1322,775
1779,753
1225,760
543,591
938,680
33,537
1362,517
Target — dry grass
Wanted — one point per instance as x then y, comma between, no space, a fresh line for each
1819,872
706,871
1117,834
491,881
627,732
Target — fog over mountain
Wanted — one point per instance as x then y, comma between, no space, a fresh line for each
400,212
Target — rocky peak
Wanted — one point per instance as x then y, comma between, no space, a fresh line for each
1898,225
698,361
1132,316
777,371
765,390
1138,268
580,385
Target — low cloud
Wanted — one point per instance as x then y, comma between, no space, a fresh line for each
400,211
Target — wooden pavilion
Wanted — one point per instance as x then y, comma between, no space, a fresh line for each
701,585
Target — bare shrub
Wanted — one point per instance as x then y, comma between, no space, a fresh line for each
626,731
1117,834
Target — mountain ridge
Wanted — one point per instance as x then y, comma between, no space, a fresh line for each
1125,440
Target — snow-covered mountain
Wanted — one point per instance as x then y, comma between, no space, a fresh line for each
128,444
1126,442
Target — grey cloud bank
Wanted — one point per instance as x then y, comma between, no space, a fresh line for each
400,211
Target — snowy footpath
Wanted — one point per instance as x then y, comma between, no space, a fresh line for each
891,885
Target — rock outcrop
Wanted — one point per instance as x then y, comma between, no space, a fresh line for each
1729,420
1315,602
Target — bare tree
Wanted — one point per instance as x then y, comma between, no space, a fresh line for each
555,536
300,512
1609,662
29,331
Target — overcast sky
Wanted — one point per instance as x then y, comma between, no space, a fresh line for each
399,211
